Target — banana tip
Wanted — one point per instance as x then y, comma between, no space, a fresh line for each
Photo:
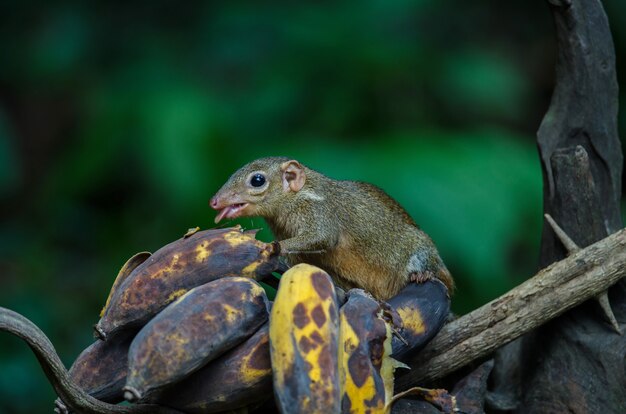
99,332
131,394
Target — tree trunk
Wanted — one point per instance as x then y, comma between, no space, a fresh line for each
575,363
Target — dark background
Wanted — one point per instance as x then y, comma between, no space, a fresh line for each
118,122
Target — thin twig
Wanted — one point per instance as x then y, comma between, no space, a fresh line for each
568,243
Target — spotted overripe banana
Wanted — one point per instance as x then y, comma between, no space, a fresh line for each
176,268
365,365
239,378
423,309
130,265
303,342
198,327
100,370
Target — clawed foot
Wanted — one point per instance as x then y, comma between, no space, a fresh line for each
421,277
274,248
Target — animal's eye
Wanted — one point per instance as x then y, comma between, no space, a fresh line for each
257,180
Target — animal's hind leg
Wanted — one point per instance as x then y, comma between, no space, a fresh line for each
421,277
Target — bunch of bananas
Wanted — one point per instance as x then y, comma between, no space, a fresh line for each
190,328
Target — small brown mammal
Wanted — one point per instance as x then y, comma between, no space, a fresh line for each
353,230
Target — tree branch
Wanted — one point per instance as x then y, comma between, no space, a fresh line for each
552,291
72,395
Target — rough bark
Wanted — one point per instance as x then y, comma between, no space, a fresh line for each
555,289
574,363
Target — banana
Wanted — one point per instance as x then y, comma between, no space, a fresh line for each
240,378
196,328
423,309
130,265
365,365
100,370
210,347
303,342
173,270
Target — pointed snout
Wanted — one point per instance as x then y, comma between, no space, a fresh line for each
214,202
222,199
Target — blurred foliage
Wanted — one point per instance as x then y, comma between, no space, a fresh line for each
119,120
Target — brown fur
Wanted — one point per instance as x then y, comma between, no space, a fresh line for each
367,239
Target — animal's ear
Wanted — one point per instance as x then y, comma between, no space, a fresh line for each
293,175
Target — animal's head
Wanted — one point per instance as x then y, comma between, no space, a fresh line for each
259,188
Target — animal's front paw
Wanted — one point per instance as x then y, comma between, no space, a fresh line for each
274,248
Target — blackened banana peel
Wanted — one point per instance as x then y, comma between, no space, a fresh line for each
200,326
239,378
174,269
423,309
100,370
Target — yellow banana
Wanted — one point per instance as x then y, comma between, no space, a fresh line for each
365,365
303,342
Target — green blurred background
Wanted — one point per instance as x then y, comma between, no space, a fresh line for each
119,121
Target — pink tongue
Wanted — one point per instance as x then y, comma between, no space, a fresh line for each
222,213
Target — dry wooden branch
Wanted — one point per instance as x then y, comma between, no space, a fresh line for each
76,398
602,298
581,160
555,289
